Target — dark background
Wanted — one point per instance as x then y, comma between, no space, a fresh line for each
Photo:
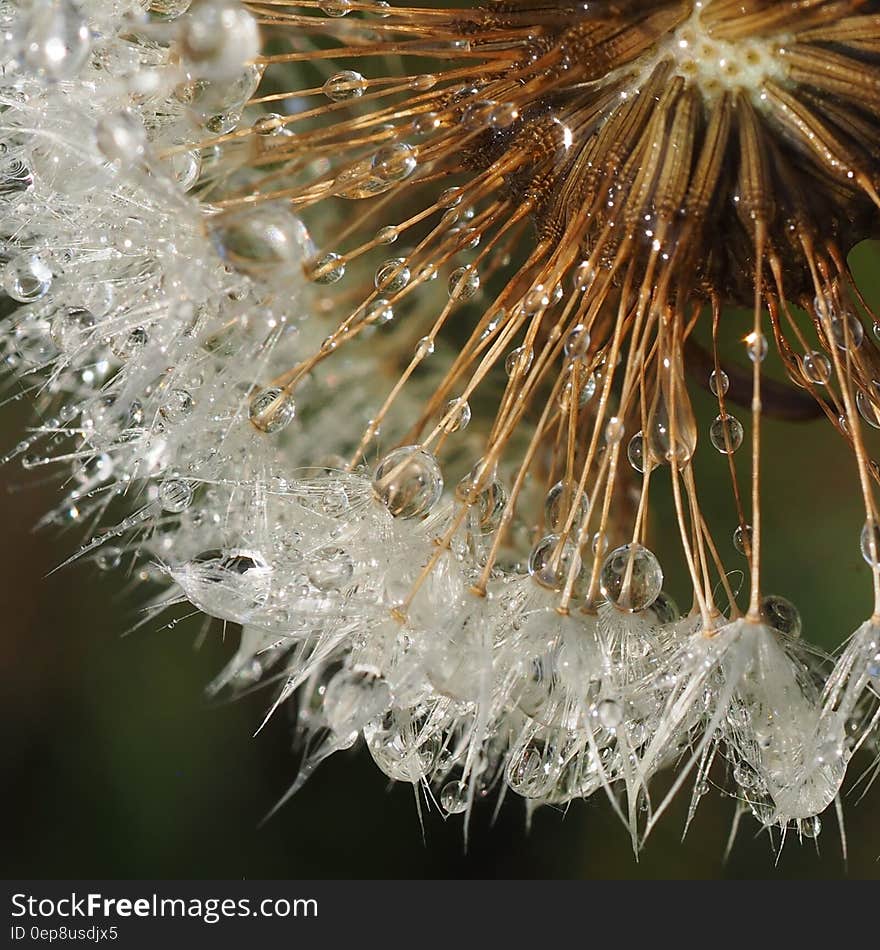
115,765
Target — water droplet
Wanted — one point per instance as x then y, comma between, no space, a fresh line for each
330,568
614,430
502,115
259,240
108,557
392,275
129,344
781,614
610,713
394,162
271,410
175,495
387,235
354,697
868,410
519,361
336,8
217,38
272,124
121,138
454,797
870,544
26,278
742,539
631,577
726,433
379,312
635,452
533,769
491,502
456,415
177,406
551,561
541,297
719,382
664,446
584,275
558,505
464,282
816,367
328,269
577,342
665,609
449,198
425,347
846,330
71,327
56,40
756,347
346,84
408,481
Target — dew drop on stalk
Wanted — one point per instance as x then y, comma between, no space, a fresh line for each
847,331
635,452
742,539
870,544
456,415
577,342
264,240
464,282
559,502
271,410
408,481
816,367
756,347
719,382
868,408
216,38
380,312
271,124
614,430
336,8
72,327
519,361
552,560
346,84
392,275
393,163
121,138
726,433
387,235
489,501
425,347
631,577
584,275
328,268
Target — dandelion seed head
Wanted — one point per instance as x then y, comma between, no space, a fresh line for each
422,483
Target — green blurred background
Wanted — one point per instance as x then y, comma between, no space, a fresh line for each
115,765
